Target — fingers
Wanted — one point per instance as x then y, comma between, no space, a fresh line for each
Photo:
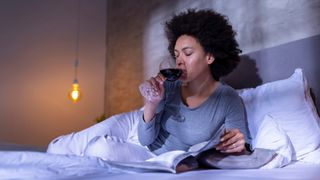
235,147
229,134
152,89
160,78
232,141
157,83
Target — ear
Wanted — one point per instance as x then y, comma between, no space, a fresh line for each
210,58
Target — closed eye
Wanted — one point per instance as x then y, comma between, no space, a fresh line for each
188,54
187,51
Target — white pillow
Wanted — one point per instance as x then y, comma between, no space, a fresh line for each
289,103
271,136
313,157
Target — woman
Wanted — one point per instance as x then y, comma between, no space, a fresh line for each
189,111
181,113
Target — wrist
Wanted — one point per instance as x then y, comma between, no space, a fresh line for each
149,112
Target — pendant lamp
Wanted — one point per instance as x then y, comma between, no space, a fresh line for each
75,94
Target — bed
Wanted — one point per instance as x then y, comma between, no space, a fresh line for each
282,118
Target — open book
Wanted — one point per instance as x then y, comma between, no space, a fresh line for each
204,153
168,162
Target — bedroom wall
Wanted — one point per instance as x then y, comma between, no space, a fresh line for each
37,52
136,41
127,21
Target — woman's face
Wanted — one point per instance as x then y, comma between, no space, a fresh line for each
191,58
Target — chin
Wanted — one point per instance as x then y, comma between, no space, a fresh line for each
183,81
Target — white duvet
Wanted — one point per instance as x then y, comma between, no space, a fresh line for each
38,165
77,154
115,139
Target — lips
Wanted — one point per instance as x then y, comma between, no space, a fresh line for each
184,74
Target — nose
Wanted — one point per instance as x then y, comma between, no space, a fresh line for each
179,62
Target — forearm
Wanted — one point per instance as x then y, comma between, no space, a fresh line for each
146,128
147,131
149,112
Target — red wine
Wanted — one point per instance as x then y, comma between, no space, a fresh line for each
171,74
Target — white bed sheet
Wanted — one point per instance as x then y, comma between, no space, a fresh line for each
39,165
291,172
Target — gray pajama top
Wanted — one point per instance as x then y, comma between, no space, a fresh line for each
178,127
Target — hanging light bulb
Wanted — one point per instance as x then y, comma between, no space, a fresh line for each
75,94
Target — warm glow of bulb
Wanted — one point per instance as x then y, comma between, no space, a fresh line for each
75,93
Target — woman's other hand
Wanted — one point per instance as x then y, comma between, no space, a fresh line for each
232,141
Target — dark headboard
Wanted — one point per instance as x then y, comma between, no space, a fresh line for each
279,63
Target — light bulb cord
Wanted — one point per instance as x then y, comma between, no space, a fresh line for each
76,62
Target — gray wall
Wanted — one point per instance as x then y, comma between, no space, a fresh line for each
127,21
136,40
37,52
279,63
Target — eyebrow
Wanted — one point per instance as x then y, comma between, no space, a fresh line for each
188,47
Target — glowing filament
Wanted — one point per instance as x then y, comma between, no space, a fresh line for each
75,93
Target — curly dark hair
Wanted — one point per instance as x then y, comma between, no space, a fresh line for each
213,32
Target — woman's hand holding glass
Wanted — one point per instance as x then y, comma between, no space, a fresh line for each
152,90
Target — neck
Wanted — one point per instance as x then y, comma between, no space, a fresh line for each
202,87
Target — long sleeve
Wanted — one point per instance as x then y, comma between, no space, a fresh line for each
148,132
235,117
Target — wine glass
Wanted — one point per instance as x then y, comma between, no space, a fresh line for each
169,70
